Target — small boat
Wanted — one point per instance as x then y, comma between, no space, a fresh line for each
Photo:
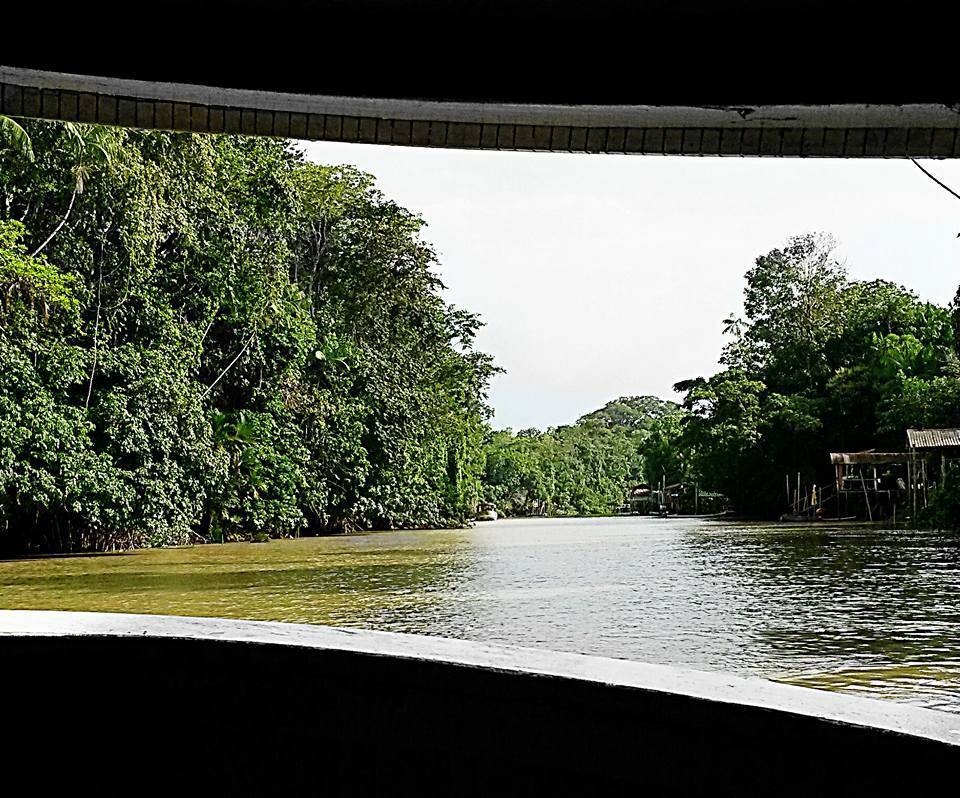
808,518
487,512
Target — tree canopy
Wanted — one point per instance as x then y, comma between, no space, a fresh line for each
209,337
819,363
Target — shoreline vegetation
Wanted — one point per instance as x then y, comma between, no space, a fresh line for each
818,363
205,338
208,338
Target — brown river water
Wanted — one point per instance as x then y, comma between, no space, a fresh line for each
855,609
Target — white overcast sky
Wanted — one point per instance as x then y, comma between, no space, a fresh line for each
601,276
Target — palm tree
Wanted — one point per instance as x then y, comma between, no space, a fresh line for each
733,325
90,147
235,435
13,138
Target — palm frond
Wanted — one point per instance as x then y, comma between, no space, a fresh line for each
15,139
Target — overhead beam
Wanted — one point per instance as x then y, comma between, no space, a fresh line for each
922,130
813,78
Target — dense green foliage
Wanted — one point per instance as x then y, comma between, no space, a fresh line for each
208,337
584,468
819,363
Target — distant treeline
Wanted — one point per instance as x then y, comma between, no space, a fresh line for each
817,363
207,337
585,468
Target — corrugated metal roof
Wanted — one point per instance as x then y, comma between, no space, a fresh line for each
933,438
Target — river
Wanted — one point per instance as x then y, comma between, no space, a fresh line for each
855,609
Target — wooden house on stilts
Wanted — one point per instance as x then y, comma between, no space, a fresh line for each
874,486
871,485
932,453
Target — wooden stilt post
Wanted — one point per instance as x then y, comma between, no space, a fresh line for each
863,484
912,468
923,465
836,488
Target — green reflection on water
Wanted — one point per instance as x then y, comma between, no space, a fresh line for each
936,687
859,610
316,580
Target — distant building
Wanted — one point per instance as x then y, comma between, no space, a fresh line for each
879,485
639,499
869,484
681,498
933,452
